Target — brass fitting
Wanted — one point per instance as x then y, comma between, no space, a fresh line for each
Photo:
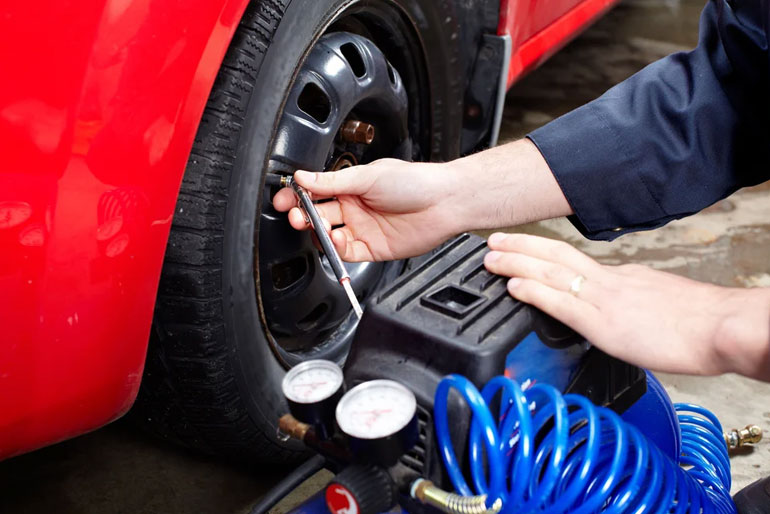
292,427
425,492
735,438
354,131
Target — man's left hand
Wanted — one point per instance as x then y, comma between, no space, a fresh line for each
650,318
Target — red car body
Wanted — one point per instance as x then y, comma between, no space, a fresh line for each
99,105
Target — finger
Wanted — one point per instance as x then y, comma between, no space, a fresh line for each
340,241
552,274
350,248
544,248
297,219
348,181
284,200
579,315
331,211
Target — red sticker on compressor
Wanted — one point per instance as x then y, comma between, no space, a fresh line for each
340,501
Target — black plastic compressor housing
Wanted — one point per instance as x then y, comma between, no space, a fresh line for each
449,315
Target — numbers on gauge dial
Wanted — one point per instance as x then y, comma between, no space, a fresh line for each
310,384
375,409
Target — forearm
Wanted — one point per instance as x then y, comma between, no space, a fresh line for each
681,134
504,186
741,341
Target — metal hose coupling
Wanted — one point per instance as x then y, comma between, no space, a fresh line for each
425,492
751,434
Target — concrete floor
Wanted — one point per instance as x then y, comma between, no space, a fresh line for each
118,470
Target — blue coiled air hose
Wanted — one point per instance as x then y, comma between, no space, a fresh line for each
554,453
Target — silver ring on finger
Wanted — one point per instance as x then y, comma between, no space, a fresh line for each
576,285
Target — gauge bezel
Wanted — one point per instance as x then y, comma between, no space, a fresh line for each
348,397
301,368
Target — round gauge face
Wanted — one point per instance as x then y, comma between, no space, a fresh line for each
312,381
375,409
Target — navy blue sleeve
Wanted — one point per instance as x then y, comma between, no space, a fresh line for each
683,133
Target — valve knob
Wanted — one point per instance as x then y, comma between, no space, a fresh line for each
361,489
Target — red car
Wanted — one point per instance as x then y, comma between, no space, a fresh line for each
136,135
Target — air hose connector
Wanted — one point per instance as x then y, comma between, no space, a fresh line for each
751,434
425,492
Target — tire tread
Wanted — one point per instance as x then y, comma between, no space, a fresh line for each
189,394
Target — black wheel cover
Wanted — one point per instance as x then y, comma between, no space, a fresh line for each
345,76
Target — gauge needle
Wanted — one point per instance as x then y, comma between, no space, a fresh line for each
373,414
311,384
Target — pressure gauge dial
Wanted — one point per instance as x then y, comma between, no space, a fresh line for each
312,381
312,389
379,418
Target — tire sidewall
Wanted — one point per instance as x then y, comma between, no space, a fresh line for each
257,370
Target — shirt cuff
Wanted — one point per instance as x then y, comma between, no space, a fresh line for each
598,173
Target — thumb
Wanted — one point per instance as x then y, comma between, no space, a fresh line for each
348,181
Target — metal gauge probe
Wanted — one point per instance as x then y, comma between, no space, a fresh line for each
324,238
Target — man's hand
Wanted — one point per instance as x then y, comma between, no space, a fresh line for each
649,318
392,209
386,210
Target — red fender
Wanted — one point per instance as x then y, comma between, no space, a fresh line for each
99,104
539,28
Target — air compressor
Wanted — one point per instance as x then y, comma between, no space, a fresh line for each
457,398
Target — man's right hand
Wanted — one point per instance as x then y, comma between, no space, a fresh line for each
385,210
393,209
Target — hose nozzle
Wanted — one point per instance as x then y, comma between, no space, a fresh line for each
425,492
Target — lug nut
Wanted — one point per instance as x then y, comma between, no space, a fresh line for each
354,131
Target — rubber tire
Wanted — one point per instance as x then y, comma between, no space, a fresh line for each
211,382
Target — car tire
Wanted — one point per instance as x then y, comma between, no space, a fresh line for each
212,376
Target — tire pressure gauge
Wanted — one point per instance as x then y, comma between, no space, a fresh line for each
312,389
380,419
